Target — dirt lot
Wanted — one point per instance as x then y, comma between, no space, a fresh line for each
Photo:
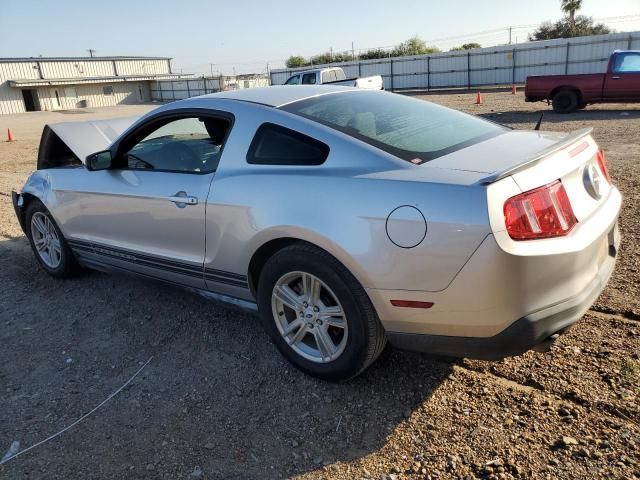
217,400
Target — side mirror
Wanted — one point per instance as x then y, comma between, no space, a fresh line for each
99,161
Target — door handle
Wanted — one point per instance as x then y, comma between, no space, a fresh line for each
615,78
181,199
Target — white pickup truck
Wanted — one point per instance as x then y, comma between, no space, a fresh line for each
334,76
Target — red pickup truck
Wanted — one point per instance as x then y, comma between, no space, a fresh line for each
621,83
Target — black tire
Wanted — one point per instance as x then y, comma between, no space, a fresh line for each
565,101
366,337
68,266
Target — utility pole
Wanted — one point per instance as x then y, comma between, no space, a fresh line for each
211,65
91,52
353,52
510,31
331,53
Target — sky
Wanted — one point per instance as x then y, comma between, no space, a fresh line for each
243,36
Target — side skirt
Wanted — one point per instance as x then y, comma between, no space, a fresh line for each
106,267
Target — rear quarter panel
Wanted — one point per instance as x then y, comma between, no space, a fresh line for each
341,206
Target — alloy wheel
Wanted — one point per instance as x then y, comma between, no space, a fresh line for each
46,240
309,317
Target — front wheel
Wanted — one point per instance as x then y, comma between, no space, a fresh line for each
317,313
48,244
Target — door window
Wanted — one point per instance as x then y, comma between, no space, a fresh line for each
627,63
295,80
309,79
191,144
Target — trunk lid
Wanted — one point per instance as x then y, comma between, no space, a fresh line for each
532,159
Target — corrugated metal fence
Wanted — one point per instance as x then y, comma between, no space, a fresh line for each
170,90
503,65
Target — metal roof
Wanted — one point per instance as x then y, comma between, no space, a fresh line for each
279,95
76,59
26,82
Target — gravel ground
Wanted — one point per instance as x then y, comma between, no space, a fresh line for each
218,401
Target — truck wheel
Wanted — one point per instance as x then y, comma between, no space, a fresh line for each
565,101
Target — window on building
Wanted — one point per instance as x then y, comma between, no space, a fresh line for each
276,145
107,90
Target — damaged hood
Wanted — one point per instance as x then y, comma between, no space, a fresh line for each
85,138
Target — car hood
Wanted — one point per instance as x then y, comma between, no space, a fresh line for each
85,138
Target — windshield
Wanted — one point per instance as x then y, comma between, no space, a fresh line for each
408,128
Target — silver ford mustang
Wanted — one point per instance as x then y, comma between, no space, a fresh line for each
346,218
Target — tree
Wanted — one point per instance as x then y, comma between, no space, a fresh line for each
566,28
570,7
414,46
295,61
466,46
374,53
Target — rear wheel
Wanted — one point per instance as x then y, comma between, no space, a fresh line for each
565,101
317,313
48,244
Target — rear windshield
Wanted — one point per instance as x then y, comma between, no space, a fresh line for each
408,128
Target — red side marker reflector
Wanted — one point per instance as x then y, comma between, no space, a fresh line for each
579,149
411,304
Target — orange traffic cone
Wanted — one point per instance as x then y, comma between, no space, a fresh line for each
514,89
10,135
478,99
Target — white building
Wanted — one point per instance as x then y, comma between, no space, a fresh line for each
29,84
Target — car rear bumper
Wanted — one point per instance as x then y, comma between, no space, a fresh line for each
523,334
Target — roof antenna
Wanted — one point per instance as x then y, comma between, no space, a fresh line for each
537,127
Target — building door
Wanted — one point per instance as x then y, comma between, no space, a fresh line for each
71,97
30,98
56,99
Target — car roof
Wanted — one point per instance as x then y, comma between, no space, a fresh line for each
279,95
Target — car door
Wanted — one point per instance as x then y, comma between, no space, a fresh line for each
622,83
146,213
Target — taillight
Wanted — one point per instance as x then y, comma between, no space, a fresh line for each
602,163
541,213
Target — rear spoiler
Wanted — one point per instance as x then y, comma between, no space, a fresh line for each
565,142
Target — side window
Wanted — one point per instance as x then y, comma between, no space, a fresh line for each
328,76
191,144
627,63
295,80
309,79
276,145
